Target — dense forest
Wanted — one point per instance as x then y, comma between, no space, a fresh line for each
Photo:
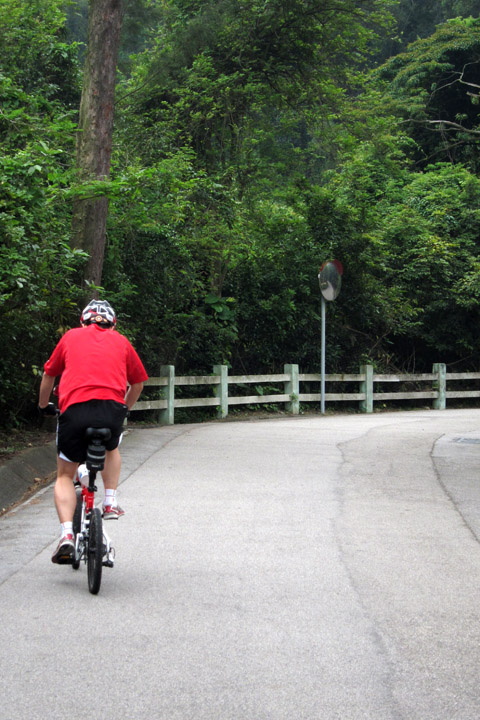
253,140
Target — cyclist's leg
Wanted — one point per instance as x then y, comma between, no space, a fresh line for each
111,476
71,447
111,471
65,502
64,493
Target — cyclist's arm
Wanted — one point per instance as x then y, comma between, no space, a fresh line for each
133,394
46,387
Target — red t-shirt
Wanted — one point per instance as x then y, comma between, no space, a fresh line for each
95,364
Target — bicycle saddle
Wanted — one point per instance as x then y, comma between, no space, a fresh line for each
103,434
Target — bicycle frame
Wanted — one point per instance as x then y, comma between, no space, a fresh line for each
88,503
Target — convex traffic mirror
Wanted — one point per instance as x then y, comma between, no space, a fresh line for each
330,279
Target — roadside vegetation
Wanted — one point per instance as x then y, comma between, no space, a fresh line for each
252,142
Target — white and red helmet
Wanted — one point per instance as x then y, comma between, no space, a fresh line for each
100,312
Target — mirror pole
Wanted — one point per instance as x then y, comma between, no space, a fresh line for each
323,357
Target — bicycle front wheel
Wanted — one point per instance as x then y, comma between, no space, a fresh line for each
95,551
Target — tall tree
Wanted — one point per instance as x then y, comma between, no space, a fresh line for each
94,140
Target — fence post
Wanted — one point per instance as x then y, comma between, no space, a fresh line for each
366,386
440,385
167,416
292,388
221,390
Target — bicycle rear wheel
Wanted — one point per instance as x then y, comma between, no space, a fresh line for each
95,551
77,518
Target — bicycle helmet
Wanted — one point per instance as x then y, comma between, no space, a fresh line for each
100,312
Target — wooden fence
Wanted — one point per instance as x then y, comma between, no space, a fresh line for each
290,389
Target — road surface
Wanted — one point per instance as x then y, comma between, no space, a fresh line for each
299,568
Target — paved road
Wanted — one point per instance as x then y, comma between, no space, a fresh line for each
308,568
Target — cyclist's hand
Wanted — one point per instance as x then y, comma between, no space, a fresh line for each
50,409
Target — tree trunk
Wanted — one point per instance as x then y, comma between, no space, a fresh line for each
95,129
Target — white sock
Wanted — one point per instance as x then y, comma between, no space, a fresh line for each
110,498
67,528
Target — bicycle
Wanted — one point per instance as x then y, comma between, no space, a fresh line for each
92,544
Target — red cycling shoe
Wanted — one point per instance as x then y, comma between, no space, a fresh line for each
63,555
112,512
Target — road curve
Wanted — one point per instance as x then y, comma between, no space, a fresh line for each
299,568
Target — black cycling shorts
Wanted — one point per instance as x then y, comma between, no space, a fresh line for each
71,441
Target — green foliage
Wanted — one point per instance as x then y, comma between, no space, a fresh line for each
38,294
226,77
276,287
166,253
409,251
34,53
433,86
250,146
433,251
235,98
419,19
260,121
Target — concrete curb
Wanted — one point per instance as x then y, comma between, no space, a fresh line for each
19,474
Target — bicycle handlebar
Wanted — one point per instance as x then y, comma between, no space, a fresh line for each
48,410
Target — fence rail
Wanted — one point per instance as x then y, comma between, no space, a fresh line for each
226,390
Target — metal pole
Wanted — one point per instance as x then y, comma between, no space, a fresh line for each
323,357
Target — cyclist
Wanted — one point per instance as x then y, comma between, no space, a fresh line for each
96,365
